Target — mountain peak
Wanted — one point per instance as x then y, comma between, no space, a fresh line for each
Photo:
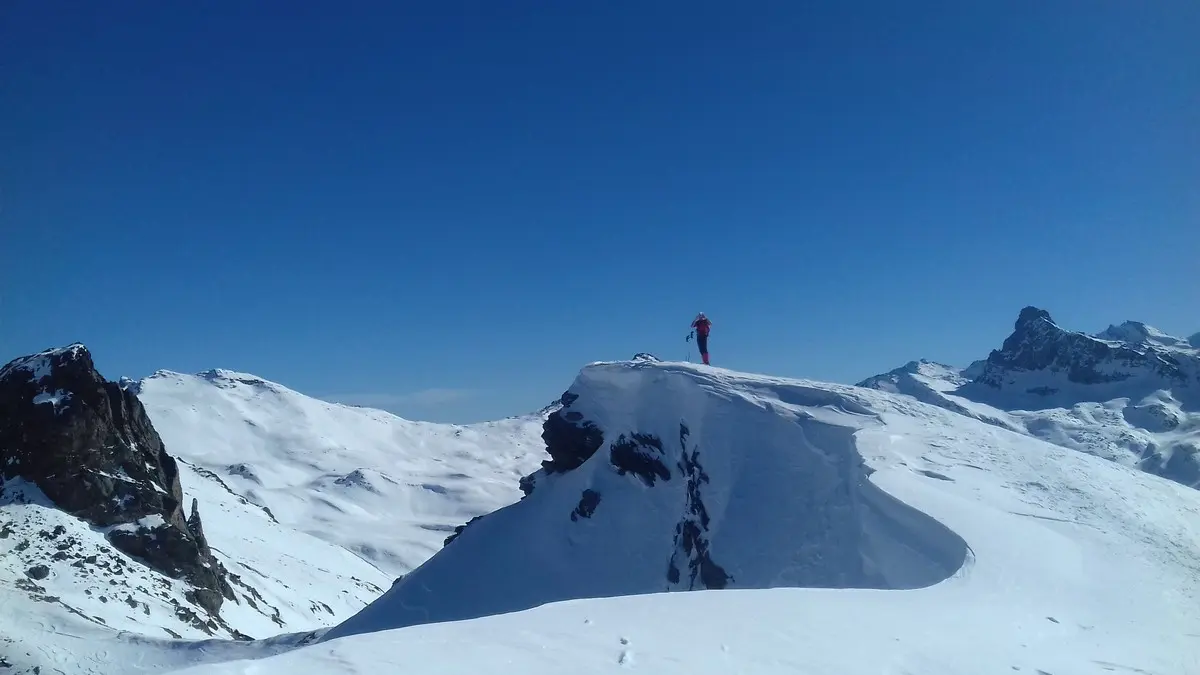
1030,315
231,375
42,364
1136,332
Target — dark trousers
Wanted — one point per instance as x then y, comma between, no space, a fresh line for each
702,343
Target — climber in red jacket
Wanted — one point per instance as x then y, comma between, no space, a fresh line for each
702,325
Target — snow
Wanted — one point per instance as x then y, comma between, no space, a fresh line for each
1063,563
150,522
388,489
56,398
90,587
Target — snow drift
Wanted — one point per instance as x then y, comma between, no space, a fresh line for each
666,477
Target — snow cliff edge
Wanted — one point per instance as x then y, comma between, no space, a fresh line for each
672,477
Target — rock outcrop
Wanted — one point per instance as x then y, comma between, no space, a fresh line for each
89,446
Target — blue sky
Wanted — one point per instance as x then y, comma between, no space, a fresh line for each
447,209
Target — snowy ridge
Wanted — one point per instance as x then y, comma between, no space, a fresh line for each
1018,555
935,383
384,488
1136,332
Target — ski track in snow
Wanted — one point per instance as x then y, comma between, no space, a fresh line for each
1070,563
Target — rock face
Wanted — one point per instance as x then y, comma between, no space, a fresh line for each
88,444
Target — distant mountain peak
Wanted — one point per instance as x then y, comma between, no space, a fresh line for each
1063,385
1136,332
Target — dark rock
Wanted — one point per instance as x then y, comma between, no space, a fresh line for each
570,440
197,529
691,534
526,484
459,530
641,455
38,572
646,356
88,444
588,502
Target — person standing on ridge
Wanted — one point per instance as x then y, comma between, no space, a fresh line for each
702,326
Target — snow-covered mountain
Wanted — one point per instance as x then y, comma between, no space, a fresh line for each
388,489
837,529
1130,393
310,509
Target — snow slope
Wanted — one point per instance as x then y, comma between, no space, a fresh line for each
387,489
857,531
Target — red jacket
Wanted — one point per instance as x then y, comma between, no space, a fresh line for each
702,326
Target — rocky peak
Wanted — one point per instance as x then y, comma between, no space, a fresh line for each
1039,344
88,444
1033,316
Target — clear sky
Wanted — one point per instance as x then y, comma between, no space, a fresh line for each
447,208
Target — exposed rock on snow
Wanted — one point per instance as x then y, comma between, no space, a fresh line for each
570,439
95,455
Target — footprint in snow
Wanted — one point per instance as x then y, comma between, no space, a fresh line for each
626,658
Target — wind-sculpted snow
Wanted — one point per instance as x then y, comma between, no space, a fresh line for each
666,477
